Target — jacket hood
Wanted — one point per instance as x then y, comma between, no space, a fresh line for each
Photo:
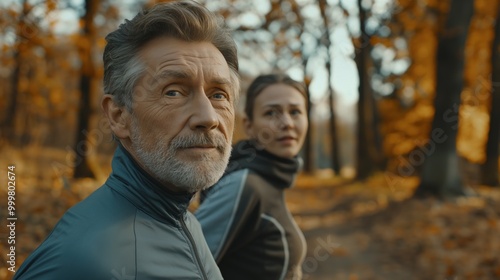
281,172
144,191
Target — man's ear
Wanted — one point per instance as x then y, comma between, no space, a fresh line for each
118,117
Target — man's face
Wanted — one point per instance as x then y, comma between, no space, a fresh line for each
182,117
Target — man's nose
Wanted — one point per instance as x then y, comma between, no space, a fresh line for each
203,115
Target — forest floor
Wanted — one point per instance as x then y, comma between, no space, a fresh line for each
375,230
354,230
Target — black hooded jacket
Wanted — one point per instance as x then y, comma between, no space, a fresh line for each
246,222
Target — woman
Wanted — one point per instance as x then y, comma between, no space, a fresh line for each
244,218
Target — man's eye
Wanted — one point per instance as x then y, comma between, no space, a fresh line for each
271,113
172,93
219,96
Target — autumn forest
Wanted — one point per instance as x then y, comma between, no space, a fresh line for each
401,160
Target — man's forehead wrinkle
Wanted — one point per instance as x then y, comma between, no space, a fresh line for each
176,73
207,64
189,70
184,63
189,56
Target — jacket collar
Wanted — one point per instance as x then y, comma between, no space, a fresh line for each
144,191
280,172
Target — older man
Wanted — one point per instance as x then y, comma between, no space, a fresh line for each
170,82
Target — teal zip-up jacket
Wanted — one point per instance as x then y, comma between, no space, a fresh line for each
130,228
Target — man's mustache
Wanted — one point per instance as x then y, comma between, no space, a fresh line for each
216,140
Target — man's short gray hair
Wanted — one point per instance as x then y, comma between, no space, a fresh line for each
183,20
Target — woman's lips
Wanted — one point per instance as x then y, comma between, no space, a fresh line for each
286,140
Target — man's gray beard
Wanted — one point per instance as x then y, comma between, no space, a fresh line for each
193,176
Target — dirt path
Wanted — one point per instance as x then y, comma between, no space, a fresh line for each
411,239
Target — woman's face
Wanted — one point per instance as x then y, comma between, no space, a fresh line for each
279,120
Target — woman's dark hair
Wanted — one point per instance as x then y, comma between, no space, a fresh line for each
263,81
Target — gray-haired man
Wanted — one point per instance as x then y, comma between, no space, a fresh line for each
170,82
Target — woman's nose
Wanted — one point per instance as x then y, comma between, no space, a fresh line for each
286,121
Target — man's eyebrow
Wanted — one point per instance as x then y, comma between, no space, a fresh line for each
220,81
173,73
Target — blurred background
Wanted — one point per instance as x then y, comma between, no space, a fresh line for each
401,174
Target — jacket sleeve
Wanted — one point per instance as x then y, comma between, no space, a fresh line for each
63,257
225,210
57,265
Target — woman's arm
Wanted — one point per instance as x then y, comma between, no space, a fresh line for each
225,210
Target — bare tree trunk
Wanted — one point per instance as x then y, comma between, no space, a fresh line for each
8,123
489,170
332,122
334,143
8,128
440,171
82,148
309,165
309,158
369,150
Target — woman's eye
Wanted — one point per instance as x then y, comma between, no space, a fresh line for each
296,112
271,113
